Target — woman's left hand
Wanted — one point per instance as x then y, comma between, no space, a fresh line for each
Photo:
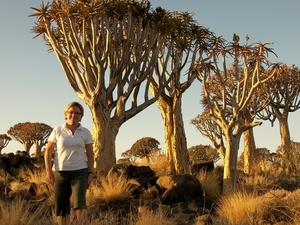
90,178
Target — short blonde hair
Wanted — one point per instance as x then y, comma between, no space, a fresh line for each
75,104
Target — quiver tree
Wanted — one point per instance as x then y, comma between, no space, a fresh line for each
40,134
145,147
228,91
208,128
108,51
203,153
262,162
4,140
29,134
294,157
22,132
283,92
187,44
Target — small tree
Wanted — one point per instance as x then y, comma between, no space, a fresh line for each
200,153
128,155
22,132
4,140
208,128
145,147
29,134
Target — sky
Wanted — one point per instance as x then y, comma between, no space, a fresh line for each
33,87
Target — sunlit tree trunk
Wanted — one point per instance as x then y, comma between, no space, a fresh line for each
230,162
249,149
286,143
175,138
249,146
37,150
27,145
104,134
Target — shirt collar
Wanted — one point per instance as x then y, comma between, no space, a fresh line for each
65,127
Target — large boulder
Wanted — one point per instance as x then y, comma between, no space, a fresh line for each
10,160
133,171
180,188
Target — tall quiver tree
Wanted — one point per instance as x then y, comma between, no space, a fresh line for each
236,87
186,44
4,140
283,92
108,50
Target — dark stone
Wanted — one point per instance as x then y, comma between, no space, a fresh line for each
132,171
205,166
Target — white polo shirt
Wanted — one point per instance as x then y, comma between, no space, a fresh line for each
71,153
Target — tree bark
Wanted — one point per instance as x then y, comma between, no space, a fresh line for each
249,145
175,138
249,148
285,142
104,134
230,162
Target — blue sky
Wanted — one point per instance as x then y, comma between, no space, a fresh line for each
34,87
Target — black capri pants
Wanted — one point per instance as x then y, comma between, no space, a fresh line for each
69,183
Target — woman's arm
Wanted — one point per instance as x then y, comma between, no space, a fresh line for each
48,162
90,157
90,162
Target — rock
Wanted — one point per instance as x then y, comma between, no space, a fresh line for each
133,171
187,182
205,166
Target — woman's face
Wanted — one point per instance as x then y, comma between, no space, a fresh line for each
73,115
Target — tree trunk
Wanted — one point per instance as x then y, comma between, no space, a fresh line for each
249,145
285,142
249,148
38,151
230,162
175,139
104,134
27,145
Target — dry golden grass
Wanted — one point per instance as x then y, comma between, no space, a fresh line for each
238,209
243,208
22,212
210,183
159,164
152,217
37,176
117,189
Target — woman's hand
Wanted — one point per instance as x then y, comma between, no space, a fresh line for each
50,177
90,179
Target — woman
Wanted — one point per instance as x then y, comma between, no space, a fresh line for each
72,169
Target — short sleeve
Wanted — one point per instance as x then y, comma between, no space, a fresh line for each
52,137
89,139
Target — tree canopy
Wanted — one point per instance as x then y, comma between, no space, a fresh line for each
29,134
145,147
200,153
